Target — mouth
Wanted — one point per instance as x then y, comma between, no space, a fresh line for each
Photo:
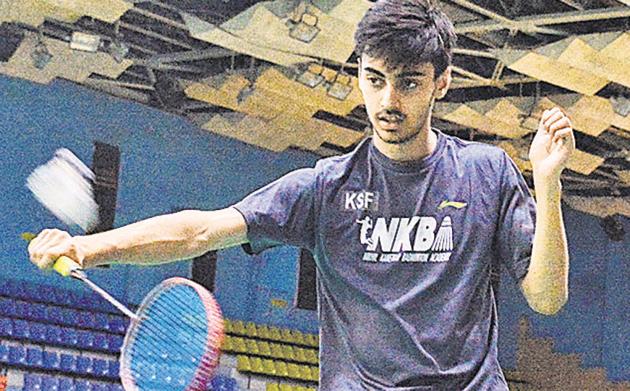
389,124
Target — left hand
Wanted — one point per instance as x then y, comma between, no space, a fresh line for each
552,146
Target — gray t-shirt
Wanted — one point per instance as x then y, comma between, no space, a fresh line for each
404,254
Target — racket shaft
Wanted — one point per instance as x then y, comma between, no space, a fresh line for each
68,267
105,295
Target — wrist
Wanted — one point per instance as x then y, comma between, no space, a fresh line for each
81,249
549,187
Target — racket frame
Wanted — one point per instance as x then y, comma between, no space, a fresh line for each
210,359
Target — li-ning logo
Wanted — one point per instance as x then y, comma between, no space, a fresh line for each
453,204
406,239
360,200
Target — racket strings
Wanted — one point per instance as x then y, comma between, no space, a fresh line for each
175,328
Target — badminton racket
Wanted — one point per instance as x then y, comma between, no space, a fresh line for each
173,340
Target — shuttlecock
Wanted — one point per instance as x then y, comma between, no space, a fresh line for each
444,238
64,186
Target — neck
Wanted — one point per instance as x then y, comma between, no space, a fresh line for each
417,148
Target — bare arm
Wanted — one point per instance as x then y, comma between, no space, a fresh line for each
546,285
159,239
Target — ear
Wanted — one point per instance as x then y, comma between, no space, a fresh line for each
443,82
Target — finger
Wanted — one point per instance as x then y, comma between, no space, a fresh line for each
556,116
548,113
562,135
562,123
35,246
45,260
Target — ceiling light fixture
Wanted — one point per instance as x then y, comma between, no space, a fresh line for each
621,105
339,88
305,29
40,55
312,77
117,48
85,42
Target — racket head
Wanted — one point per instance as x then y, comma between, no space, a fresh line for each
174,343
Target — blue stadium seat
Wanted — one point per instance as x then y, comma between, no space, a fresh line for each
6,327
115,342
7,307
34,357
101,341
38,332
83,385
100,367
51,360
37,312
66,384
96,386
223,383
54,314
32,382
72,299
84,365
69,337
31,292
21,329
89,301
17,355
54,335
101,321
50,383
87,320
85,339
4,354
68,362
116,387
11,288
114,369
70,317
118,324
21,309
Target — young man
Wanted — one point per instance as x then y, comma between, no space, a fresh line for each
405,230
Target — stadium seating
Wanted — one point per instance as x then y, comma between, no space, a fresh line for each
46,326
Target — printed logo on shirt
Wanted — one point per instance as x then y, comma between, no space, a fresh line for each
406,239
360,200
453,204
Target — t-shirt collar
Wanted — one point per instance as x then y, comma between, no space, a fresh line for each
409,165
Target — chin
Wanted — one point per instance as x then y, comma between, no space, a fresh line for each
395,138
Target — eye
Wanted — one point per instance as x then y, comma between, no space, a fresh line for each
375,81
409,85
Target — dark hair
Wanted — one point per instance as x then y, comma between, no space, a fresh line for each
406,33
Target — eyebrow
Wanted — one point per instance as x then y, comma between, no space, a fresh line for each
401,75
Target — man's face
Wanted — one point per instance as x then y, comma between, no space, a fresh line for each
398,101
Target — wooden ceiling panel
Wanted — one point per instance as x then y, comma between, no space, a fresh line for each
582,162
65,63
582,56
554,72
106,10
33,12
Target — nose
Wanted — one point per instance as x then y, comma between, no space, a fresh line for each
390,99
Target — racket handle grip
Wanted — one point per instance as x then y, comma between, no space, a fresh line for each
65,266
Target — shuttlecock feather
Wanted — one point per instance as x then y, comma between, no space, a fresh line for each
64,186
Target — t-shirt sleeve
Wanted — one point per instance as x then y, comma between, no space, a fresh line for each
281,213
517,220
